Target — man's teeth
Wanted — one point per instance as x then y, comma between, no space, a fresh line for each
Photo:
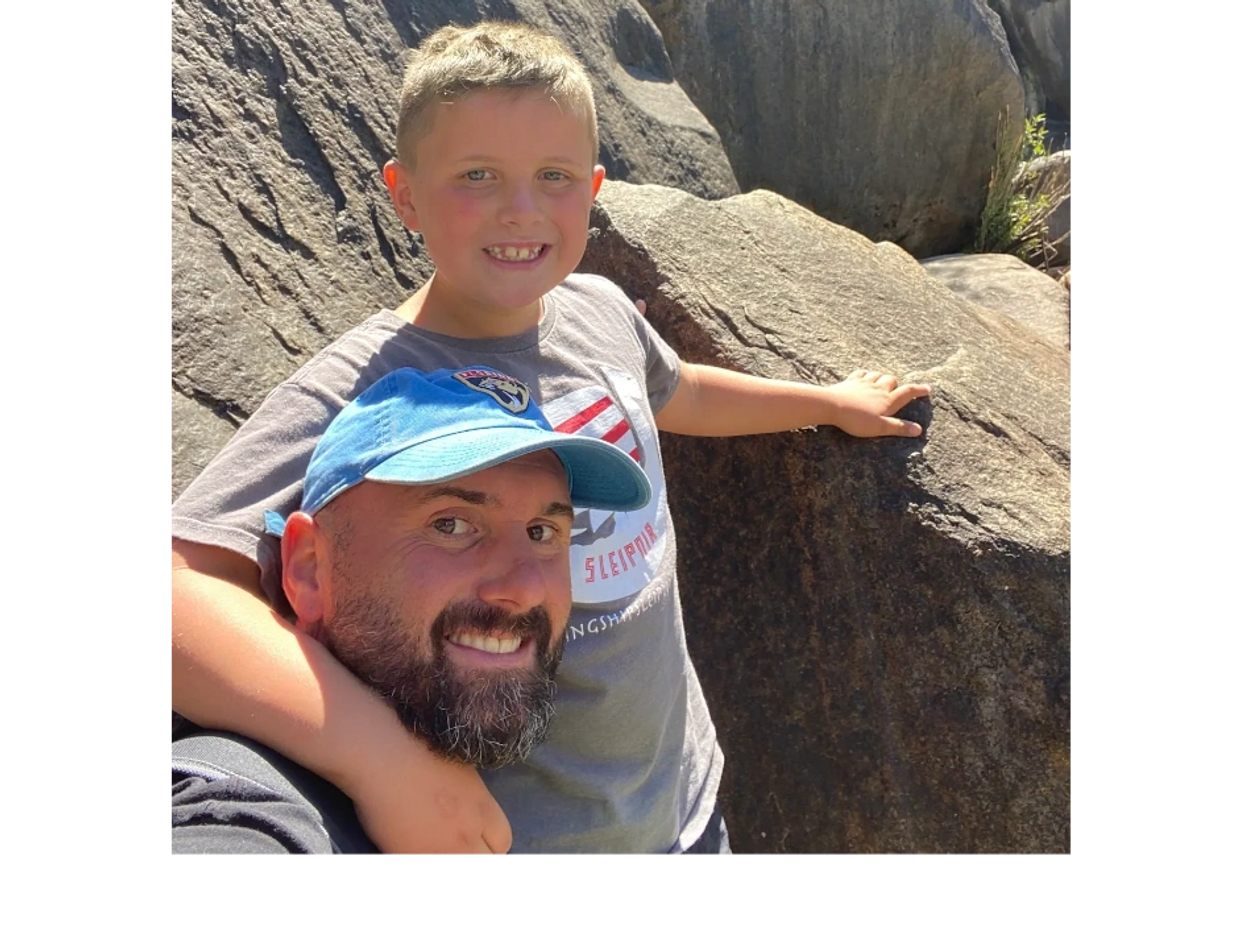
492,645
515,253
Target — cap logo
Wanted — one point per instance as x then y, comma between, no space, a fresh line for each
507,391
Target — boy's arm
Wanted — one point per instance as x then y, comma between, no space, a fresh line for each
713,402
237,665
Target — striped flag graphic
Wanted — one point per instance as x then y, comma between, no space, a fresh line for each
601,418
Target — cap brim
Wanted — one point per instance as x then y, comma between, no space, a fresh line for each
600,475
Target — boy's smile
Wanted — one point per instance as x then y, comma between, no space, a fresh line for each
501,194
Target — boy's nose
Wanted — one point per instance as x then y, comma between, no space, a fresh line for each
520,206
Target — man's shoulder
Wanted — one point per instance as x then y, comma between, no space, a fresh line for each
234,795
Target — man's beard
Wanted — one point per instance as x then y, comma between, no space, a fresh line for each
486,717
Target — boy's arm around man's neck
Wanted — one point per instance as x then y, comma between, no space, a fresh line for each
238,666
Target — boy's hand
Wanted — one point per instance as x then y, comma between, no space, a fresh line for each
865,401
420,803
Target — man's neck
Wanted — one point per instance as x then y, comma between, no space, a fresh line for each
435,308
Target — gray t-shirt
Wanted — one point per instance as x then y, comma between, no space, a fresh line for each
631,762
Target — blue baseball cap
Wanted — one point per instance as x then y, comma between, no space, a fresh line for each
416,428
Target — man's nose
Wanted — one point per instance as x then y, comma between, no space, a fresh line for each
514,579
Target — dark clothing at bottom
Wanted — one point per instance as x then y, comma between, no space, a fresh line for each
231,795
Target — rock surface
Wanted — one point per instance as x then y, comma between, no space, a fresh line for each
282,233
881,627
1006,284
880,115
1040,36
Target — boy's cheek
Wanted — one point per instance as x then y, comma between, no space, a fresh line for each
465,206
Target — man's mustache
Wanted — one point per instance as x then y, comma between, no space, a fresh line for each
481,618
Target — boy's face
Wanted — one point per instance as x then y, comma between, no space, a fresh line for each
501,195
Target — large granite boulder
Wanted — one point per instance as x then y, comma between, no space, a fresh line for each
881,627
282,235
1040,36
1006,284
880,115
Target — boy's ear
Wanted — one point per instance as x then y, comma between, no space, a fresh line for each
303,555
397,181
599,173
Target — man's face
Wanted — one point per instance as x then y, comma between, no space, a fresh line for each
452,601
501,194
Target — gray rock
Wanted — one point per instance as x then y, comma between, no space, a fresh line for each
1039,34
1006,284
649,130
1069,281
881,627
282,234
880,115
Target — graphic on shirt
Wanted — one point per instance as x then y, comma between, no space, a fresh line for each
510,393
615,554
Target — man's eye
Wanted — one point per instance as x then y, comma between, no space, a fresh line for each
543,533
453,527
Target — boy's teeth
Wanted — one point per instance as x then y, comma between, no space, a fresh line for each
492,645
515,253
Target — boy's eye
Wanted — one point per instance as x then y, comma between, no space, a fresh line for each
452,527
477,174
554,174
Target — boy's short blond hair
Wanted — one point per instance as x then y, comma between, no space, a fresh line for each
455,60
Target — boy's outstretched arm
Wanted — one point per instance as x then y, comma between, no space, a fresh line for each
713,402
237,665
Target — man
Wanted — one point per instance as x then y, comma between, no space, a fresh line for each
431,557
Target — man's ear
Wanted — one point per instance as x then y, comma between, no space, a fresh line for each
599,173
304,556
397,181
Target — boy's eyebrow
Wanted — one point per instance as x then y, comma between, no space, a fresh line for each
487,157
474,497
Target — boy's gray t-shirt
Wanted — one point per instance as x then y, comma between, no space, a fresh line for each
631,762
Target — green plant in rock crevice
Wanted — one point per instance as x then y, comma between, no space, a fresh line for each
1016,216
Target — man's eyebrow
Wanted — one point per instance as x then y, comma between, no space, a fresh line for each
471,496
559,510
474,497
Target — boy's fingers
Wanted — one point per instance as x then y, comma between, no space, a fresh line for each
901,428
641,306
906,393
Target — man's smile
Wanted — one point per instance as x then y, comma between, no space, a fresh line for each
492,651
489,643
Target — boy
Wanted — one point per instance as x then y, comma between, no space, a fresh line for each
496,150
